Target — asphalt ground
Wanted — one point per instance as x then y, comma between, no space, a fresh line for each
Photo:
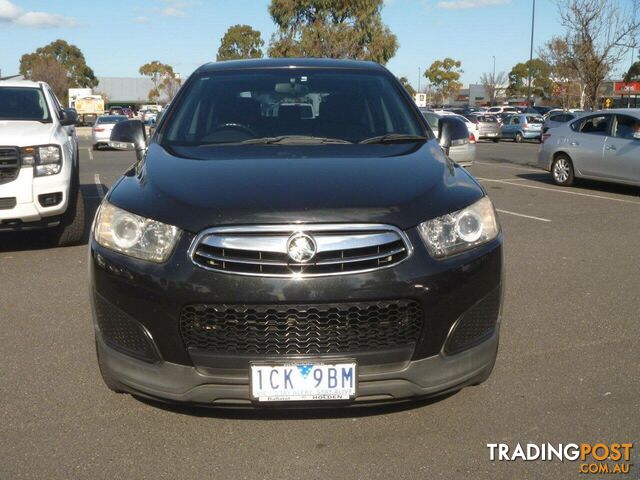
567,370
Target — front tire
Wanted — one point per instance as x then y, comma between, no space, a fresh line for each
518,138
562,171
71,228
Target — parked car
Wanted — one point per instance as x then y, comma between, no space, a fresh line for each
101,131
522,127
251,260
502,110
463,154
39,164
600,146
558,118
487,125
127,112
543,110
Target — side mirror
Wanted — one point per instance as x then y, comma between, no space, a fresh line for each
69,117
129,135
451,132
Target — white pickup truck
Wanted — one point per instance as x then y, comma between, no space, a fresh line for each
39,164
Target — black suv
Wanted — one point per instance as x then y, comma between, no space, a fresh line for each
294,234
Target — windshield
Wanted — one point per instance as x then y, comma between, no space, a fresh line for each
532,119
23,103
296,104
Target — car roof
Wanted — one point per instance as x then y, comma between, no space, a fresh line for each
20,83
288,63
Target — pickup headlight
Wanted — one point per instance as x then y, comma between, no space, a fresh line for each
462,230
46,159
133,235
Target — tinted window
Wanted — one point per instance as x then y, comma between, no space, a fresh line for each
598,125
432,119
561,117
515,120
487,118
23,103
627,127
228,107
110,119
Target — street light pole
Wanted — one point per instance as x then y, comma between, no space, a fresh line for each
418,79
494,68
533,19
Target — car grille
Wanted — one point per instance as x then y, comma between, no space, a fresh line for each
263,251
9,164
301,329
7,203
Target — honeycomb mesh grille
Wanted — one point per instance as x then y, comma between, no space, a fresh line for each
121,332
477,324
301,329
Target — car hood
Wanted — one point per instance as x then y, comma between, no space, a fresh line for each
23,133
399,184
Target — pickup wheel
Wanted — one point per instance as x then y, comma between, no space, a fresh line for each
71,228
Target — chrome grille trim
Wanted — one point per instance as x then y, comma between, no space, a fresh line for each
261,250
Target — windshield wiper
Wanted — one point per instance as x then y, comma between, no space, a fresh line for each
394,137
292,139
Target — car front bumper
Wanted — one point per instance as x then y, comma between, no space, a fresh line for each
152,297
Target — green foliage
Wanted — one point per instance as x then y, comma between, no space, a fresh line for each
444,75
408,87
240,41
331,28
163,78
633,74
541,83
68,56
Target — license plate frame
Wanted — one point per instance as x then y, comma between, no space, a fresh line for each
294,365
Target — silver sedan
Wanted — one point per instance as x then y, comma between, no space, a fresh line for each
602,145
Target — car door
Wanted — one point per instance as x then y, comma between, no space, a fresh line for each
505,130
622,151
586,145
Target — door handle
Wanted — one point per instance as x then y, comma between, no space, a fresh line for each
574,144
610,147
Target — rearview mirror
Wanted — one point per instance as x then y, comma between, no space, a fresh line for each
451,132
129,135
69,117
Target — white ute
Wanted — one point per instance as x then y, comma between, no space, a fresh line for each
39,164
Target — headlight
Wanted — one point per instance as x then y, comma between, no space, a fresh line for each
459,231
47,159
133,235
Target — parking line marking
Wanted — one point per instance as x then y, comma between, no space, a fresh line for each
523,215
513,167
557,190
90,154
99,187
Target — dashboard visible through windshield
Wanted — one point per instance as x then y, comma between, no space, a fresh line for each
291,106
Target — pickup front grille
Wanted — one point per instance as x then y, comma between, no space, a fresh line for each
9,164
301,329
266,250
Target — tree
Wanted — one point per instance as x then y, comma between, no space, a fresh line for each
164,80
49,70
634,72
408,87
444,75
68,56
331,28
493,84
240,41
566,83
596,34
541,84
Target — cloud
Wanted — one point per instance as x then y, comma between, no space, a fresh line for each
141,19
10,13
172,12
462,4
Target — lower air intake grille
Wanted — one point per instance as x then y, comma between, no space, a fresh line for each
122,332
7,203
476,324
9,164
301,329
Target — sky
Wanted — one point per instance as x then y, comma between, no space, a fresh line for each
118,36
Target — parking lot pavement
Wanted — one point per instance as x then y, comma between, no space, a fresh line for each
567,369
